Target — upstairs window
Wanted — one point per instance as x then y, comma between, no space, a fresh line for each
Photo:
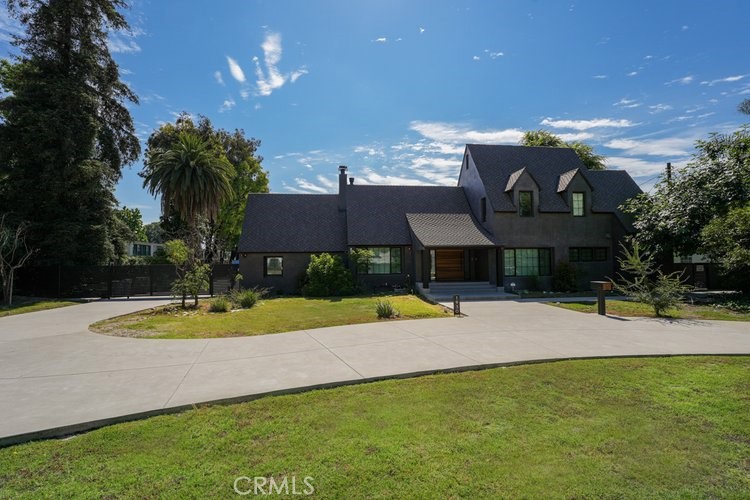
525,203
483,209
587,254
579,204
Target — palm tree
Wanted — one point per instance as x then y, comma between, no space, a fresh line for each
191,177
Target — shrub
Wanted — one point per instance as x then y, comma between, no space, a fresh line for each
385,309
219,305
246,299
327,276
648,284
564,278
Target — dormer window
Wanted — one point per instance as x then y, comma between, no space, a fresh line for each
525,203
579,204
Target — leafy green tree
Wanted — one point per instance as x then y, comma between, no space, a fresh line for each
247,176
672,218
727,241
190,178
132,218
645,282
744,107
65,131
545,138
154,232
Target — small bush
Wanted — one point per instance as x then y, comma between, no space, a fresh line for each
219,305
326,276
564,278
246,299
385,309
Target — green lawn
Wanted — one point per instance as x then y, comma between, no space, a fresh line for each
661,427
268,316
629,308
30,304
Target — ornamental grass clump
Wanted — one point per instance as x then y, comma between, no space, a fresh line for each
219,305
385,309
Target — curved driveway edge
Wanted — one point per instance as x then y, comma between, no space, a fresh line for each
57,378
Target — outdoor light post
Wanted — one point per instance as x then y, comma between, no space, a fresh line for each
456,305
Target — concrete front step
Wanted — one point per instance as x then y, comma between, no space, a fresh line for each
442,292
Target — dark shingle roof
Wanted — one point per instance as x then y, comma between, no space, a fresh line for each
448,230
376,215
293,223
551,168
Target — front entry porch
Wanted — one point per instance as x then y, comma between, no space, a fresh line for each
457,265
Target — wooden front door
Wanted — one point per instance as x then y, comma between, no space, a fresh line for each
449,265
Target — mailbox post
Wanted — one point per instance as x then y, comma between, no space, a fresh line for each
601,288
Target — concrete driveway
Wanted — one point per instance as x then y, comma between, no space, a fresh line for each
56,377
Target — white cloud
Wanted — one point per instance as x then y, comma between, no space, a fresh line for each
475,58
729,79
578,136
627,103
632,73
235,70
369,176
684,27
9,27
421,30
668,147
638,167
227,105
685,80
294,75
219,78
587,124
306,186
599,77
121,44
272,79
658,108
382,39
493,55
458,133
327,183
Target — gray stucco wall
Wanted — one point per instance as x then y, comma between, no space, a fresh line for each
295,265
474,189
559,231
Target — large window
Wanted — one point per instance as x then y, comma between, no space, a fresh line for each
525,203
587,254
141,250
579,204
528,262
273,266
385,260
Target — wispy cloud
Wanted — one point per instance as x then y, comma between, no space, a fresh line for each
632,73
685,80
227,105
627,103
235,70
637,167
475,58
121,43
492,54
219,78
587,124
271,78
421,30
667,147
728,79
306,186
381,39
599,77
658,108
9,27
460,133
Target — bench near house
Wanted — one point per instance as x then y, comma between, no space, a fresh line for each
515,213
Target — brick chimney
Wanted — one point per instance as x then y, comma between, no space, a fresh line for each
342,187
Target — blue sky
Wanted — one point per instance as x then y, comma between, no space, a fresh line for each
394,89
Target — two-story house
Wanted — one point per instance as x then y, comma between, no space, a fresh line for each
515,214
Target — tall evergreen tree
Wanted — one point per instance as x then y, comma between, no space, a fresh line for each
65,131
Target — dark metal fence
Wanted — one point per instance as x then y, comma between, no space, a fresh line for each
111,281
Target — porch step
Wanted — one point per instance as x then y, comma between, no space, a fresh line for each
471,290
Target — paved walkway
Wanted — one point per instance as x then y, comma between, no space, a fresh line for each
57,376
